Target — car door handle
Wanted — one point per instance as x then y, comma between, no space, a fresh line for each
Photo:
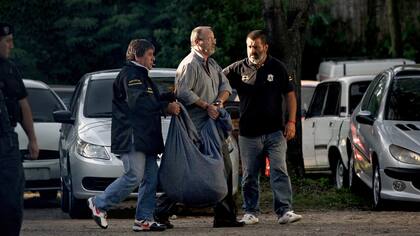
331,123
313,124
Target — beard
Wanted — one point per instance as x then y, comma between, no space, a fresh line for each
210,50
256,58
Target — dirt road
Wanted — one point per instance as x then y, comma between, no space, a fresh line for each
51,221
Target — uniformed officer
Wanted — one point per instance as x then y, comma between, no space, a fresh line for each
14,107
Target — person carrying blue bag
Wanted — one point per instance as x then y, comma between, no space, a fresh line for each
202,87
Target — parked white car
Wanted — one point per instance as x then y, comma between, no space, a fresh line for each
42,175
86,162
385,137
326,125
336,69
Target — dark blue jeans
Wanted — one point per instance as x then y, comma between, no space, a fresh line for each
12,183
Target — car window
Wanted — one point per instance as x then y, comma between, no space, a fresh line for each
65,96
404,100
98,101
356,92
317,104
376,97
368,93
164,84
306,96
43,103
333,100
75,97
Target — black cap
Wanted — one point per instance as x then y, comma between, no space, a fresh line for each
5,29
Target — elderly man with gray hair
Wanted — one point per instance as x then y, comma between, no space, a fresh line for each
202,88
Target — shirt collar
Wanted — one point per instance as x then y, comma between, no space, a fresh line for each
197,52
137,64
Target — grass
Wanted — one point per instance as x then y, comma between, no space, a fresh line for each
316,193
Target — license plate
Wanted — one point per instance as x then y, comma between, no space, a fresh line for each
37,174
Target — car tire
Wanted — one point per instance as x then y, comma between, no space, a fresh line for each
78,208
48,194
64,197
355,183
340,175
377,201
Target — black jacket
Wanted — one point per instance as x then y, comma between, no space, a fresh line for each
137,107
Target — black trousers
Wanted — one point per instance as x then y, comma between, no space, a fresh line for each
12,183
224,211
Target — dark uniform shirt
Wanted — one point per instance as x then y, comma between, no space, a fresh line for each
137,107
261,94
13,89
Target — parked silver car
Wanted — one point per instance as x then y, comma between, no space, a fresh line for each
43,174
86,162
385,136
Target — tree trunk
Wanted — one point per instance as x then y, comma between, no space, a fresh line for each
394,28
286,23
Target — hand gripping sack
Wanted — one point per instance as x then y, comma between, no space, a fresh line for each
192,169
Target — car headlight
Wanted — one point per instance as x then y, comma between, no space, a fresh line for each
89,150
404,155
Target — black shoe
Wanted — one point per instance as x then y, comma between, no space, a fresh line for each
165,222
224,224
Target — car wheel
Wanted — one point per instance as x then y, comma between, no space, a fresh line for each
341,175
376,189
48,194
78,208
64,197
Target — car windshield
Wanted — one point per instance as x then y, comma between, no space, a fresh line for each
404,99
98,101
357,90
307,92
43,103
65,95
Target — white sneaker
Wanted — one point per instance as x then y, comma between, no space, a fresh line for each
289,217
98,215
249,219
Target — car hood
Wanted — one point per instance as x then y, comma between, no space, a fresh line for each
404,133
98,131
47,136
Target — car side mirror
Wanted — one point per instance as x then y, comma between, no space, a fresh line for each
365,117
63,116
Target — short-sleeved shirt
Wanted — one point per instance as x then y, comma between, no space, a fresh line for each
13,89
197,80
261,94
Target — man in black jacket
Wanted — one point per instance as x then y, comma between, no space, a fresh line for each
14,108
136,135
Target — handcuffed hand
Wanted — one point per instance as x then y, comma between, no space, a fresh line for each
173,108
212,111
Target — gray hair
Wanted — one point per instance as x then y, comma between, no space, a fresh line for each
197,33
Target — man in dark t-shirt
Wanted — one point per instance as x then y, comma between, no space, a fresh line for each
14,107
261,82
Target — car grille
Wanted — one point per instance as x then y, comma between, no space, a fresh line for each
41,184
416,184
43,154
98,184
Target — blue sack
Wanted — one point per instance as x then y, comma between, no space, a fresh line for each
192,169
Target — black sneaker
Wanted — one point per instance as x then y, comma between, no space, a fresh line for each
165,222
145,225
